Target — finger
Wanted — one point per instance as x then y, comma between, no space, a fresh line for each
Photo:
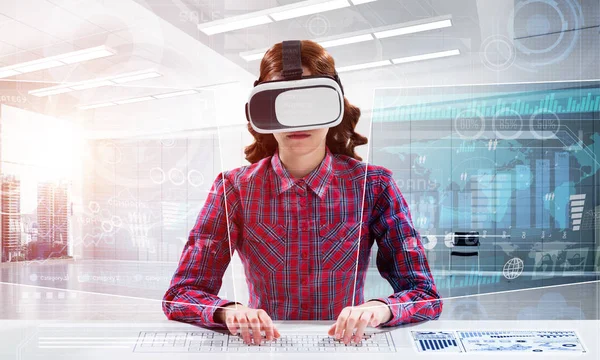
363,321
231,324
376,319
267,324
255,326
350,324
276,332
341,323
243,321
331,330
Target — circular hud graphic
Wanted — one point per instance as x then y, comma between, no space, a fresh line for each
498,53
542,31
507,124
544,124
317,25
469,124
513,268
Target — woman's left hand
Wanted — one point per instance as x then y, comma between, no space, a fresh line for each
370,313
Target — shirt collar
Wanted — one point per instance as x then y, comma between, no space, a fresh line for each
317,180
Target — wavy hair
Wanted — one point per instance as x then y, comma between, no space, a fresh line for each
341,139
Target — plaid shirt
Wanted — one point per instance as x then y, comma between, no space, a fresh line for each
298,242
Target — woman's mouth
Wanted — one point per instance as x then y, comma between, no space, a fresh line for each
298,136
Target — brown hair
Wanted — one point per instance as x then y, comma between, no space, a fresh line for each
319,62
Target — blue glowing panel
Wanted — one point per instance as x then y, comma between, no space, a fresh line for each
435,341
521,341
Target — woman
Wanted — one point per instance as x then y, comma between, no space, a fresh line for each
302,216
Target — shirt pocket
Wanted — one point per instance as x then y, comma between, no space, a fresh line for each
338,243
266,244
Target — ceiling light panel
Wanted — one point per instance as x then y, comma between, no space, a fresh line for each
99,82
403,60
8,73
92,85
413,29
56,61
134,100
236,25
364,66
429,56
96,106
88,56
125,79
54,92
309,10
278,13
358,2
143,98
39,66
346,41
367,35
177,93
252,57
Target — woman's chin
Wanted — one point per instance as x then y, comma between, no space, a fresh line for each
299,149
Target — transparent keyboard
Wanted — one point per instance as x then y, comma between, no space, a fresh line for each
211,342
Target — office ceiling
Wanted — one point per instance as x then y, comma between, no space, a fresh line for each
36,29
464,34
163,35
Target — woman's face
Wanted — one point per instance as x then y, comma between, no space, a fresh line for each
300,142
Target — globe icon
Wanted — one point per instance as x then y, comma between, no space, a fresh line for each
513,268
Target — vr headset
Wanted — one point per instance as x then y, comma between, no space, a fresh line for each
296,102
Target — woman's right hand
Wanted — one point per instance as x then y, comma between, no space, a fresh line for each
242,318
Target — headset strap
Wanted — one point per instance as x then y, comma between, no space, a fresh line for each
292,62
292,59
337,79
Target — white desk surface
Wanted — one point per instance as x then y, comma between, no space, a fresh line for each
19,339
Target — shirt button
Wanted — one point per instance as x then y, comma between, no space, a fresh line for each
304,255
303,201
304,306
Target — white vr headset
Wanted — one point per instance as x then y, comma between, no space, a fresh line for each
297,102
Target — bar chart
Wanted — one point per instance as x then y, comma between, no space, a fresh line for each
436,341
557,102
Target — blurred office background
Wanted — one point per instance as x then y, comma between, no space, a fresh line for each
117,116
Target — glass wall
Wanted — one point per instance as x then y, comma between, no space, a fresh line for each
516,163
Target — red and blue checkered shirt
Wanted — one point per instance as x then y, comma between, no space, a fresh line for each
298,241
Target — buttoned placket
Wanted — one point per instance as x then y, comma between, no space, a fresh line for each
304,248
